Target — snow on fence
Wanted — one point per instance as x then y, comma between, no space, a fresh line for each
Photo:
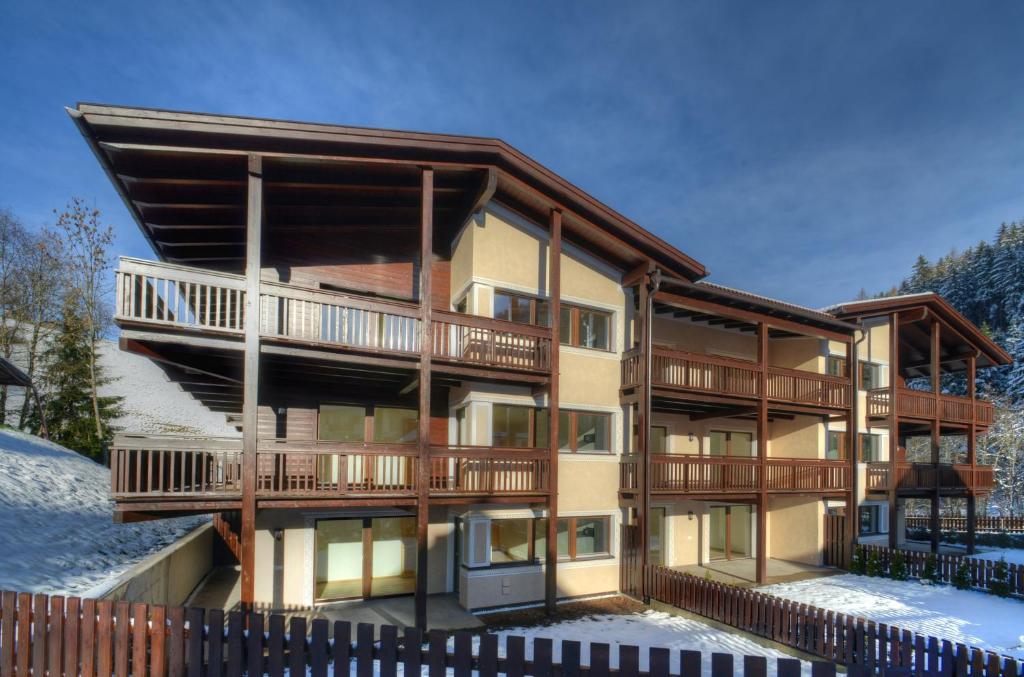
981,572
865,647
1010,525
50,636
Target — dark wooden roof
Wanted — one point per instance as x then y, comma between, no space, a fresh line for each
962,339
182,176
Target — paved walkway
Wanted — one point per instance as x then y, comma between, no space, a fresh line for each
741,572
222,589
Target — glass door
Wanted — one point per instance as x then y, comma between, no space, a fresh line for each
339,559
730,536
718,527
365,557
656,537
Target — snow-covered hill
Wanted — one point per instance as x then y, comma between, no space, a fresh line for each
56,522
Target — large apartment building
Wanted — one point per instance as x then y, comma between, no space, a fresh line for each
455,372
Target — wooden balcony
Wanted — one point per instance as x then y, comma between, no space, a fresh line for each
692,372
168,296
210,470
688,474
922,405
927,477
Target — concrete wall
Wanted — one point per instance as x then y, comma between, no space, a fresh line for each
169,576
507,586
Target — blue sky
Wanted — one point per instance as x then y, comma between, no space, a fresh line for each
798,149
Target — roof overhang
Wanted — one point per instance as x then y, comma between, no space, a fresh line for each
917,307
10,375
118,132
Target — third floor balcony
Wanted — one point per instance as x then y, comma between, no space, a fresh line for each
178,298
918,404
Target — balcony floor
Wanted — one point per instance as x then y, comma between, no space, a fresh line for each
741,572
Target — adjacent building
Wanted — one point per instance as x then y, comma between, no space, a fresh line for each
455,372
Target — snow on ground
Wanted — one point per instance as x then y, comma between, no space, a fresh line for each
973,618
56,522
1012,555
645,630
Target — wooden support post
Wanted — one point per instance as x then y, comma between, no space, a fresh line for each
648,285
972,451
936,431
852,446
423,438
762,454
250,387
555,310
894,424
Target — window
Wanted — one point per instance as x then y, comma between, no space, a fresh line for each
512,426
869,448
510,541
585,432
836,445
521,309
351,423
731,443
579,538
835,365
395,426
868,520
870,376
585,328
342,423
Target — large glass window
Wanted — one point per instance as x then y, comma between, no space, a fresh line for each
511,426
836,445
585,328
342,423
869,448
592,432
578,538
835,365
868,520
510,541
731,443
870,376
395,426
519,308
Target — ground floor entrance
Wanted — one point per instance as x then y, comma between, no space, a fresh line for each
730,532
364,557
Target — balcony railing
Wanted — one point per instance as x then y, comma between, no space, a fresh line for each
929,476
681,370
179,297
922,404
184,468
682,473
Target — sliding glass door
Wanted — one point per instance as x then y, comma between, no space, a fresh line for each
730,533
365,557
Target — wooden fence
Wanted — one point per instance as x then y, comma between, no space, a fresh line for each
865,647
1010,525
980,571
50,636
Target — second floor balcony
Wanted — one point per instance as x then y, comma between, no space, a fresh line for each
924,405
172,297
927,477
210,470
692,474
711,374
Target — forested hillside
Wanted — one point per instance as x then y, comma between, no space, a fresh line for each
986,283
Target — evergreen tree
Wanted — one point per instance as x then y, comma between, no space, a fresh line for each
874,567
962,576
69,401
930,572
898,566
1000,583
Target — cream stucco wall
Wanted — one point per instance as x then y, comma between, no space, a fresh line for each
802,437
697,338
523,585
804,353
796,529
587,483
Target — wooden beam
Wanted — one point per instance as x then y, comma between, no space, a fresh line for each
711,309
423,438
761,560
555,304
250,394
725,413
894,423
